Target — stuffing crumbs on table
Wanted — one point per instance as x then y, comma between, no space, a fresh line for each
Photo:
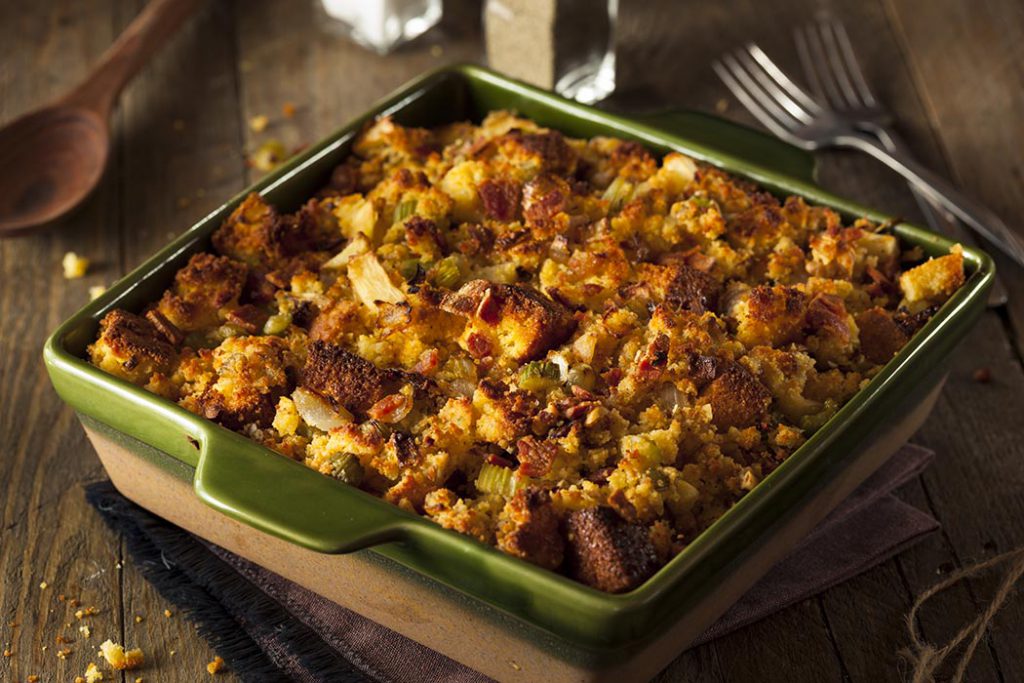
569,349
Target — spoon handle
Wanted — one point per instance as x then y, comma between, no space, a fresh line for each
145,35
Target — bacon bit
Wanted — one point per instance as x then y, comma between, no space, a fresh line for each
612,377
500,198
165,327
428,362
601,475
618,502
498,461
478,345
581,393
390,409
480,239
535,457
654,359
489,308
248,317
880,285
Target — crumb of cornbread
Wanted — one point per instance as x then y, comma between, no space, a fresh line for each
75,266
120,659
168,613
92,674
259,123
84,630
216,665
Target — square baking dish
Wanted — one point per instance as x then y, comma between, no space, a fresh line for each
495,613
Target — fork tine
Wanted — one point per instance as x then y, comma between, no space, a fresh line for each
731,74
818,60
836,60
810,72
778,93
794,91
852,65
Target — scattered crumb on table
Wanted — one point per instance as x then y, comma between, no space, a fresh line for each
216,665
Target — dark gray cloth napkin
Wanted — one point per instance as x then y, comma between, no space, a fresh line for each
268,628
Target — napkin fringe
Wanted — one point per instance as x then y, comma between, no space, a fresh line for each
167,555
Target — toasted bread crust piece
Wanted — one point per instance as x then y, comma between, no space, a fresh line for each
522,322
131,347
354,382
608,553
529,528
880,336
692,290
736,397
204,292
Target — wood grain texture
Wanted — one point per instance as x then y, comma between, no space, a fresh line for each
182,133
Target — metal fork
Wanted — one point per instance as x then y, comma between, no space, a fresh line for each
835,76
793,115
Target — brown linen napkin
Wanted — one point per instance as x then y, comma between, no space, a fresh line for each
301,636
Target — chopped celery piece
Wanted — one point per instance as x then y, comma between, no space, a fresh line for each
618,193
345,467
499,480
539,374
447,273
277,324
404,210
410,269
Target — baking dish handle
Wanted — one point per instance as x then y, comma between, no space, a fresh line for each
281,497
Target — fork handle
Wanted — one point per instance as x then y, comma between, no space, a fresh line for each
974,214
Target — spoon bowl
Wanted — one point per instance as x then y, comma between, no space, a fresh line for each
50,160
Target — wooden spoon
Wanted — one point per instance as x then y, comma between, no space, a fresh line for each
52,158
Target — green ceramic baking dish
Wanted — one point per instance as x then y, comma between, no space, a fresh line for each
588,635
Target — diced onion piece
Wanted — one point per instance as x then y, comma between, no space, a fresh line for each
371,282
357,246
356,215
317,412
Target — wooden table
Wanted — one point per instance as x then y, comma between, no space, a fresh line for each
952,72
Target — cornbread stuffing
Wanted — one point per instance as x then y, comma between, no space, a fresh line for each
572,350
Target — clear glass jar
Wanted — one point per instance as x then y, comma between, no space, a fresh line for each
380,25
563,45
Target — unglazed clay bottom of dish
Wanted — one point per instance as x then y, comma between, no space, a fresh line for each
465,630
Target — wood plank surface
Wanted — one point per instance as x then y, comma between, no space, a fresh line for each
953,74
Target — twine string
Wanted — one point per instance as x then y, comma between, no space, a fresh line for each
925,657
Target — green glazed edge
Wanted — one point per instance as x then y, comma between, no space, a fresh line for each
340,519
